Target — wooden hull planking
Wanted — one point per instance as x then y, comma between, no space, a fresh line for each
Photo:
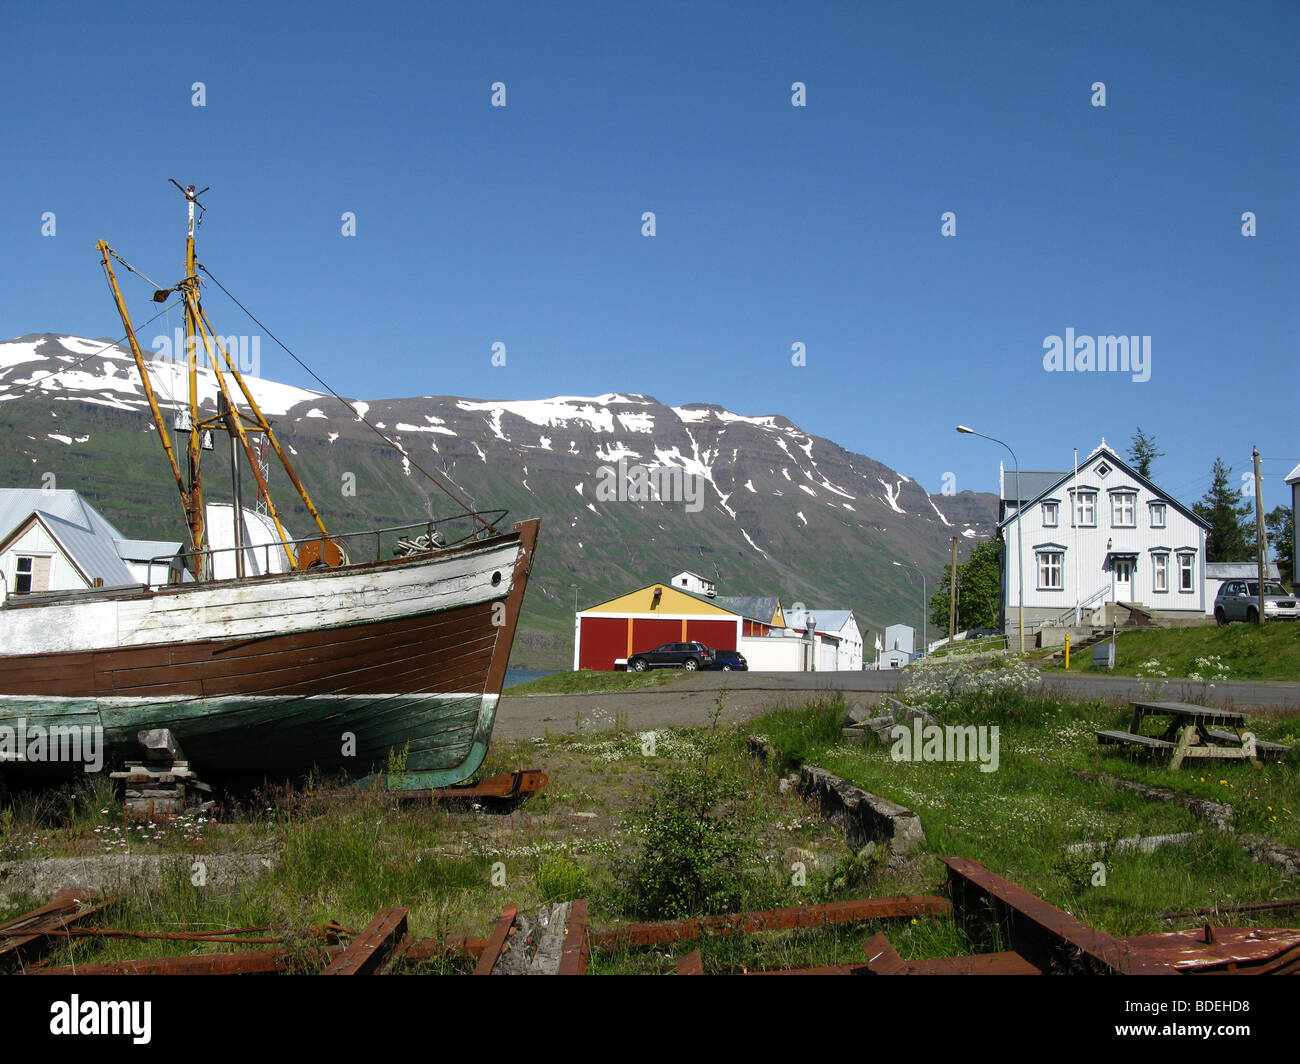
256,689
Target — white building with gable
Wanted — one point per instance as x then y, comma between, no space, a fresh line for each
1102,535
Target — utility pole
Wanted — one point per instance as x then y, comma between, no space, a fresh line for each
1261,544
952,599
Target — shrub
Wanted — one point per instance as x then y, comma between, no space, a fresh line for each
697,841
959,689
561,879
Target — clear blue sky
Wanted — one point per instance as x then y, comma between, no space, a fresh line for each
775,224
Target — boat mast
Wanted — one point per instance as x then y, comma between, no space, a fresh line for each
194,515
160,423
324,550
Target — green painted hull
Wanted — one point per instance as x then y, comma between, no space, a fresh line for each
443,737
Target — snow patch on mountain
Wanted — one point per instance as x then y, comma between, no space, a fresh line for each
939,512
891,494
614,451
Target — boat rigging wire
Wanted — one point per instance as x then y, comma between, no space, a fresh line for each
127,266
471,511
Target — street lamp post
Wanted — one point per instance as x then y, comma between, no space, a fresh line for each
1020,539
925,645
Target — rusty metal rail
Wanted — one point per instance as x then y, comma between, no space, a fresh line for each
1046,937
574,955
57,916
691,964
836,912
372,950
883,959
1224,950
496,943
1044,940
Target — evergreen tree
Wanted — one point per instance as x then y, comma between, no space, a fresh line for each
979,590
1279,527
1142,452
1230,539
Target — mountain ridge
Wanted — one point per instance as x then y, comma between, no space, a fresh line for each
783,511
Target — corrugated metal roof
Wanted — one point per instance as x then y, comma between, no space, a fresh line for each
827,620
755,607
143,550
85,535
1239,570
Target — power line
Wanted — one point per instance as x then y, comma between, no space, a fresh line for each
383,436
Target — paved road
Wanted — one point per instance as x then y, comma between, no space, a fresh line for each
689,699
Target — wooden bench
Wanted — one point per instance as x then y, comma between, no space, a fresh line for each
1135,740
1261,746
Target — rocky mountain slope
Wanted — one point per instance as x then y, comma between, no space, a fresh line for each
630,490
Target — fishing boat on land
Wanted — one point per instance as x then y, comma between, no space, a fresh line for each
330,652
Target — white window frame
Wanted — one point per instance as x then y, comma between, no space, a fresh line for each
1054,519
1123,503
1160,572
1187,566
1163,511
1051,563
1080,498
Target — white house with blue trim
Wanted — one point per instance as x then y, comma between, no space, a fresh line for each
1104,534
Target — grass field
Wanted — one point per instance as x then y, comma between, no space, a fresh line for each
594,681
1234,651
344,854
1019,819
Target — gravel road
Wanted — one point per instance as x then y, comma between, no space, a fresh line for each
689,698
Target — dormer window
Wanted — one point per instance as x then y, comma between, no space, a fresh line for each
23,576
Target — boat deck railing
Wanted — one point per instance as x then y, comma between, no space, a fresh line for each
418,537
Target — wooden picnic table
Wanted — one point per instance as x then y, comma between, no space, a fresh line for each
1194,731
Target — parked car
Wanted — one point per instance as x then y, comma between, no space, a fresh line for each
727,660
1238,600
689,656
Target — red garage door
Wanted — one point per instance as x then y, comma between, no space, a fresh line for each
603,640
720,634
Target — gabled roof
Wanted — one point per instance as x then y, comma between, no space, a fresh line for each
82,532
761,608
625,600
827,620
1294,476
1035,483
1103,452
688,572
